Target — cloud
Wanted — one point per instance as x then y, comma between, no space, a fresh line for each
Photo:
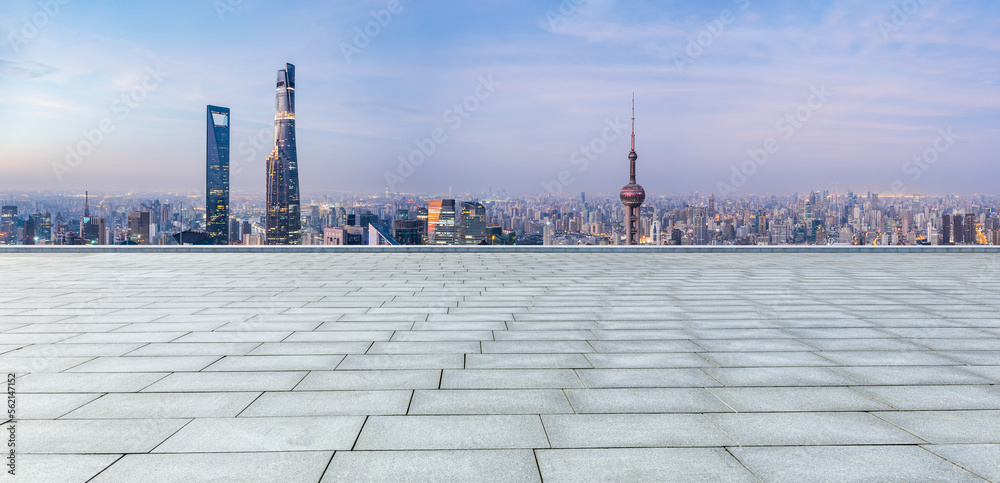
10,70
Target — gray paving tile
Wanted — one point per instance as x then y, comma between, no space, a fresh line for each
329,403
887,358
765,359
343,380
622,378
645,360
276,363
219,467
753,345
146,364
165,405
632,431
234,435
936,397
452,432
39,364
972,358
912,375
227,382
87,383
502,466
509,379
449,347
536,347
861,344
309,348
194,349
73,350
783,399
778,376
981,459
526,361
947,427
810,429
490,401
441,335
676,400
49,406
402,361
640,464
64,468
991,372
849,463
94,436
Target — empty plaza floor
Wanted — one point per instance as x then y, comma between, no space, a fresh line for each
503,366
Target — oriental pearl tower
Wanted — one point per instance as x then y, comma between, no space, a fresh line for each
632,194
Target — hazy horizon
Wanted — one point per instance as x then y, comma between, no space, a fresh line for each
873,83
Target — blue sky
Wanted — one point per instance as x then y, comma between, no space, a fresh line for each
894,82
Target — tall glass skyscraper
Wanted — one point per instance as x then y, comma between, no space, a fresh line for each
441,222
217,175
283,223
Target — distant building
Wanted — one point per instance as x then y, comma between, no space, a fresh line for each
408,232
217,175
472,226
969,229
29,232
8,225
442,224
946,230
93,230
138,227
348,235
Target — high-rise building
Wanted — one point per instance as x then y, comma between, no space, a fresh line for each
441,222
408,232
957,231
93,230
138,227
632,195
946,230
28,238
8,225
969,229
472,226
283,223
217,175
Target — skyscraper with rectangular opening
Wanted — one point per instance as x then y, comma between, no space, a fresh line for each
283,223
217,176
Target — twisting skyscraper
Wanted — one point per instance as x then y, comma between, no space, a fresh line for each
632,194
217,175
283,222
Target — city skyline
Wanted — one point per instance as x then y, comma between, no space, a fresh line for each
867,88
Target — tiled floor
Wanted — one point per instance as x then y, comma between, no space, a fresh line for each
504,366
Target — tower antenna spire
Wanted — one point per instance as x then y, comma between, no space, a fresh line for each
633,121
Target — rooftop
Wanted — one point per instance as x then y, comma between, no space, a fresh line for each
503,365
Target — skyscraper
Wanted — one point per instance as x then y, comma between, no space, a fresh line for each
283,224
472,229
957,231
946,230
93,230
217,176
441,226
632,195
8,225
138,227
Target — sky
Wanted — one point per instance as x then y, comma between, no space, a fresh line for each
733,97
